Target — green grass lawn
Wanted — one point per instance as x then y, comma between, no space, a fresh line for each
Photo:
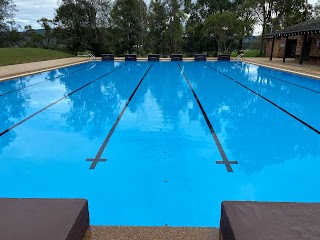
9,56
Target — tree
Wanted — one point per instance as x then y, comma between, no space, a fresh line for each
211,7
195,39
296,11
129,25
81,24
278,14
224,28
316,10
31,38
7,9
46,24
175,30
158,24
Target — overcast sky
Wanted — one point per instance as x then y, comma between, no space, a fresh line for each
29,11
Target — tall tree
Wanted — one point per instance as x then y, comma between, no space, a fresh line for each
79,24
274,14
316,10
211,7
175,29
8,33
157,24
195,40
31,37
224,28
129,24
7,9
46,24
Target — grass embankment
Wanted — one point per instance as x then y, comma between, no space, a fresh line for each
9,56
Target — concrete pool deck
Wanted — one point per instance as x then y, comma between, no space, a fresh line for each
151,233
308,69
20,70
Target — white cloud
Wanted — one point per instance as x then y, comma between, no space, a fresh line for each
29,11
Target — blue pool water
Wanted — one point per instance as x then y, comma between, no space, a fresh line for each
161,153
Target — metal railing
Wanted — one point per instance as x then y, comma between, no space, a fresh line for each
241,55
90,56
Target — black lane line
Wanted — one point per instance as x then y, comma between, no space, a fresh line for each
98,158
19,89
225,160
274,104
310,89
41,110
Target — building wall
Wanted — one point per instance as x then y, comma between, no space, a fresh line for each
315,47
278,49
279,46
268,47
299,44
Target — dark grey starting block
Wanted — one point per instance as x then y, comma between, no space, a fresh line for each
269,220
130,57
43,219
107,57
224,57
200,57
153,57
176,57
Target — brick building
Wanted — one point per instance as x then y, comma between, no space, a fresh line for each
300,41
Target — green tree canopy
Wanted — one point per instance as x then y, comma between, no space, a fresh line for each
7,9
79,24
224,28
158,24
129,25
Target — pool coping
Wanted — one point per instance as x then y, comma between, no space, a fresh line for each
282,69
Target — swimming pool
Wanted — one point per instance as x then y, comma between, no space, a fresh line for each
166,141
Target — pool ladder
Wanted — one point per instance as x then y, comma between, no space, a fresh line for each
240,56
90,56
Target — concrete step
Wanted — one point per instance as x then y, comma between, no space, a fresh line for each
151,233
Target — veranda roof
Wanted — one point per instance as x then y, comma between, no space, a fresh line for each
307,27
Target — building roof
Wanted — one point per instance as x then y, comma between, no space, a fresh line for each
307,27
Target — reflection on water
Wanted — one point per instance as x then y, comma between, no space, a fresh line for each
12,107
256,133
98,105
162,155
18,99
252,131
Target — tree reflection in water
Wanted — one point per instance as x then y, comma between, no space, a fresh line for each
99,104
13,107
256,133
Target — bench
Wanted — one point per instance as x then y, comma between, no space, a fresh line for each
200,57
269,220
107,57
176,57
153,57
224,57
130,57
